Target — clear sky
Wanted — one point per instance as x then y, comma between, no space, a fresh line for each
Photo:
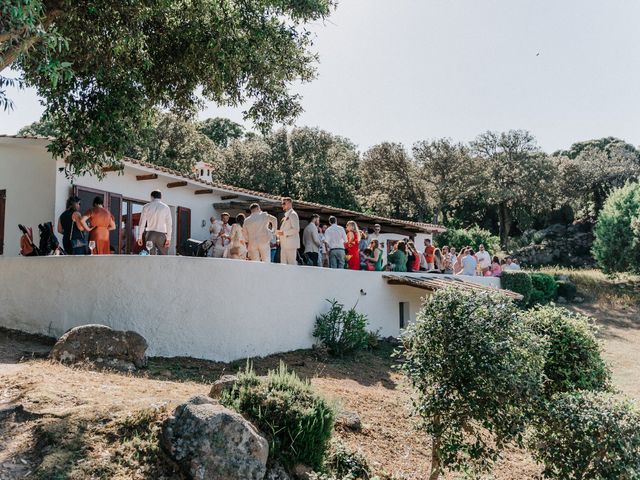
406,70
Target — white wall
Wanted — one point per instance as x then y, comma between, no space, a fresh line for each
27,173
209,308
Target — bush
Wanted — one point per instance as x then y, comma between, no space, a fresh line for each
519,282
344,464
473,236
477,369
616,248
566,289
544,290
297,421
589,435
342,331
574,357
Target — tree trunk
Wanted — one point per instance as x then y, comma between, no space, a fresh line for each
435,455
504,219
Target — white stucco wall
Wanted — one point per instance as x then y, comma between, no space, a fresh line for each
27,173
215,309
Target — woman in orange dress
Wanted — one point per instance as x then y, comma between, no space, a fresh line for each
101,222
352,247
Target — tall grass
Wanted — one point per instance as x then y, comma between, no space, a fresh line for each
621,289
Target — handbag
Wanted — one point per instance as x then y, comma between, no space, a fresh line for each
78,242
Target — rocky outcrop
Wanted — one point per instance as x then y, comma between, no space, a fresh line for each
349,421
558,244
211,442
225,382
102,345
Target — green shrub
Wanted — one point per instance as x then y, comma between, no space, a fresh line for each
477,369
589,435
345,464
544,287
342,331
616,247
566,289
574,356
519,282
297,421
473,236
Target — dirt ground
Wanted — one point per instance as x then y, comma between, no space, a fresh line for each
64,401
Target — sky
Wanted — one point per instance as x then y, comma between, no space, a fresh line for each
409,70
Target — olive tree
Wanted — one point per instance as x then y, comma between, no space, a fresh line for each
477,370
102,68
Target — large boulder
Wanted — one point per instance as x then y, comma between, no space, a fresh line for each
211,442
103,345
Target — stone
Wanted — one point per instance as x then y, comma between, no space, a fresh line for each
302,472
349,420
561,300
578,299
101,344
225,382
211,442
277,472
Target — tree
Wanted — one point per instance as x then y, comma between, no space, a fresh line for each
477,369
591,170
448,170
391,185
616,247
175,143
515,174
221,130
40,128
102,68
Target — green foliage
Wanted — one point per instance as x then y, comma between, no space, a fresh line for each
616,247
589,435
519,282
342,331
102,69
344,464
477,369
296,419
566,289
42,128
221,131
472,237
544,287
574,356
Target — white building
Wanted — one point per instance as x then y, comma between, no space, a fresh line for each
202,307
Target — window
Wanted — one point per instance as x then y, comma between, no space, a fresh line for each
404,314
3,201
202,172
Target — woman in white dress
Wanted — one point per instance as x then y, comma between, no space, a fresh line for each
237,248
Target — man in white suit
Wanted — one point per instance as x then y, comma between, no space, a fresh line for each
257,230
289,233
311,241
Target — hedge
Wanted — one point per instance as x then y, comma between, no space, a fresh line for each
519,282
545,289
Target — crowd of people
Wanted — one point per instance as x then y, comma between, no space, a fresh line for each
261,237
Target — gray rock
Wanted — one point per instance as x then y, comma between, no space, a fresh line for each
101,344
225,382
561,300
211,442
349,420
302,472
578,299
277,472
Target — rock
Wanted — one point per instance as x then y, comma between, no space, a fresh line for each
302,472
561,300
225,382
101,344
578,299
277,472
211,442
349,420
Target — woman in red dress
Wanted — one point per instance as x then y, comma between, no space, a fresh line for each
101,222
352,247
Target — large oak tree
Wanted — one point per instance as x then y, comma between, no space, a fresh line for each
103,67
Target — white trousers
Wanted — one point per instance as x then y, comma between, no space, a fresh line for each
288,256
261,253
217,251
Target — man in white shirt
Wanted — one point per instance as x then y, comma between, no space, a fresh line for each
335,237
156,221
510,264
484,259
311,241
220,231
469,264
376,233
257,229
289,233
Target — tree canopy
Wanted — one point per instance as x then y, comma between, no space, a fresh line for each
103,67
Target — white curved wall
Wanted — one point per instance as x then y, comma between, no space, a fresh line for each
208,308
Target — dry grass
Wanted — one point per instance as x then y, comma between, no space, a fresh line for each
614,290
